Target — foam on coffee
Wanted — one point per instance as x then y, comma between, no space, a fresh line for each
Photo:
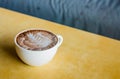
36,40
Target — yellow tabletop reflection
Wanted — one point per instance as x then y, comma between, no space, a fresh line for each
82,55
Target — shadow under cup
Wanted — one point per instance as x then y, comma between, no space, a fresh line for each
37,56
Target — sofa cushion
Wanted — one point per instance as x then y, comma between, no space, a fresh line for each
96,16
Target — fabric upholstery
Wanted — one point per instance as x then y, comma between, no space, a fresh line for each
96,16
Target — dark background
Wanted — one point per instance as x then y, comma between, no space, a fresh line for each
96,16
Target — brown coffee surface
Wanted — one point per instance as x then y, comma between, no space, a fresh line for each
36,40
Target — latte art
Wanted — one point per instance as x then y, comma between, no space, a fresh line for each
36,40
39,40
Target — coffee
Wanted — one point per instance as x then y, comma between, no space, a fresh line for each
36,39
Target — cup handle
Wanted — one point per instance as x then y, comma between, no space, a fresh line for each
60,40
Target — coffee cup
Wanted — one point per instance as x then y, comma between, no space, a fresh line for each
37,47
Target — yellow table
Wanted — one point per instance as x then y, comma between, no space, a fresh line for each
82,55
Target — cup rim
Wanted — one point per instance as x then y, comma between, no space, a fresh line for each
34,29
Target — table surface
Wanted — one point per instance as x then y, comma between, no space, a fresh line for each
82,55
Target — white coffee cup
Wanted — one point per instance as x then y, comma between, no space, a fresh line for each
37,57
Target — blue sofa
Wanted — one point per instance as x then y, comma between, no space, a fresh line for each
96,16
